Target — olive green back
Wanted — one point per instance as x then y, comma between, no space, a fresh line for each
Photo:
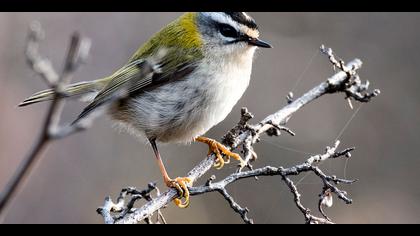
182,44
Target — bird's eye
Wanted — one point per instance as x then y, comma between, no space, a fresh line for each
228,31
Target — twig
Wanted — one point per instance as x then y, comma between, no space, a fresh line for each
245,135
307,166
76,55
111,211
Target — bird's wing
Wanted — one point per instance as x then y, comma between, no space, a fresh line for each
138,76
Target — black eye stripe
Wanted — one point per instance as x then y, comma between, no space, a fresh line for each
227,30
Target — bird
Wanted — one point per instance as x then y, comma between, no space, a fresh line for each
179,84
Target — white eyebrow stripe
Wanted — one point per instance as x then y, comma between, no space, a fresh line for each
246,16
223,18
226,19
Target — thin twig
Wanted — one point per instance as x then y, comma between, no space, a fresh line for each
78,50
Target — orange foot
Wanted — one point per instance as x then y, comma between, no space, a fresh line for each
218,149
180,184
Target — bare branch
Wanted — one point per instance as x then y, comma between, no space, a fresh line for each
123,209
39,65
353,87
329,181
51,130
245,135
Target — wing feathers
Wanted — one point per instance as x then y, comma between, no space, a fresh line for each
142,74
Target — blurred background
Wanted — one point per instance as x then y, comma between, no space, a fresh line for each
75,174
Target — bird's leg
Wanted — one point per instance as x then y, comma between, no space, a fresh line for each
180,183
218,149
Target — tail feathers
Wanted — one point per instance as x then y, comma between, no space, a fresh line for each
81,89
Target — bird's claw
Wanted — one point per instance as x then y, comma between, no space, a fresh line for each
181,185
219,150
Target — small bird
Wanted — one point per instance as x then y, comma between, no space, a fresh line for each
183,81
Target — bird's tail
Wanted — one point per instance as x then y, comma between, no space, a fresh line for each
81,90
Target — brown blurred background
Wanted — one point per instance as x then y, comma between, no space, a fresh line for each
76,173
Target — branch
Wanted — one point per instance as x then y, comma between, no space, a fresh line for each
123,210
245,135
329,181
51,130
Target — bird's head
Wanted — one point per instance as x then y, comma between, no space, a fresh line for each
229,32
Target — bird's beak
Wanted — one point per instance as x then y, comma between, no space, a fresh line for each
259,43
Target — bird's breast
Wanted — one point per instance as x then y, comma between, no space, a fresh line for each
225,87
185,109
215,89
